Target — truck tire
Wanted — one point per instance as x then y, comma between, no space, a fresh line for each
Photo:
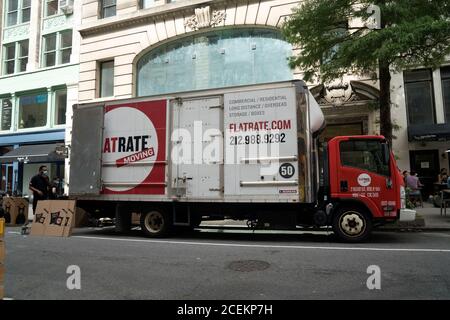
123,222
352,224
156,223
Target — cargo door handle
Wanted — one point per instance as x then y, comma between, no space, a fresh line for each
184,178
344,186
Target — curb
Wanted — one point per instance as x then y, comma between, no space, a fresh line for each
418,229
381,228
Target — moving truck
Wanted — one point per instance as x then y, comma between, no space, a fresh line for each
248,152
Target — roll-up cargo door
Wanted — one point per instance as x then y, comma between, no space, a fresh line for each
86,151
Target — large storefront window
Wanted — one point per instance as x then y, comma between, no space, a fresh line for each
214,60
33,111
5,114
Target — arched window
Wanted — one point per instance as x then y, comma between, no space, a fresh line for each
214,60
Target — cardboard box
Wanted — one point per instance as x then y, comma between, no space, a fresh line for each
16,210
54,218
81,218
8,207
22,205
42,214
63,218
54,225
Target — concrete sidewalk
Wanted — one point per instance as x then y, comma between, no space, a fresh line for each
428,218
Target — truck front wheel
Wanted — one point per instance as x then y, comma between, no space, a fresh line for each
352,224
156,223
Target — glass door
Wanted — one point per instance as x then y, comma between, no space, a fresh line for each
426,164
6,178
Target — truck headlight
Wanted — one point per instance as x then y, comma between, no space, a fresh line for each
402,197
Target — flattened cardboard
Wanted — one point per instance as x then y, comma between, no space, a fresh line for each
66,210
9,208
54,225
22,210
42,214
81,218
70,219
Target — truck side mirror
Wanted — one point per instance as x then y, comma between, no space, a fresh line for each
386,153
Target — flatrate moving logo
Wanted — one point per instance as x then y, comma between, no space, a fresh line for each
130,147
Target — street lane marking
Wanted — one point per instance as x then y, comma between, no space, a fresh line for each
265,246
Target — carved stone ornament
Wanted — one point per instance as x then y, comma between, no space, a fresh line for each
13,33
203,18
340,93
54,22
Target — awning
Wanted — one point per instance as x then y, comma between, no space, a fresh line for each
35,153
429,132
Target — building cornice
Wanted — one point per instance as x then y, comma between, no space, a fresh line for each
144,16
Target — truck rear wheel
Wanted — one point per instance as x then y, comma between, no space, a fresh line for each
352,224
156,223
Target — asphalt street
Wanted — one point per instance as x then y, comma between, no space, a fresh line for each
212,264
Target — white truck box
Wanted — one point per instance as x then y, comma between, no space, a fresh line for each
242,144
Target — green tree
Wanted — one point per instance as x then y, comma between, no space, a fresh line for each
411,33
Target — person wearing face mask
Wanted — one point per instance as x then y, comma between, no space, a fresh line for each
39,185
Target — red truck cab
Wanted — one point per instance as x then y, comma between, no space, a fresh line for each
365,185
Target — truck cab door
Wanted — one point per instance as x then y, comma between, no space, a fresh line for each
363,173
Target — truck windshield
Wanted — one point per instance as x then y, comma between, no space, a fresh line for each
364,154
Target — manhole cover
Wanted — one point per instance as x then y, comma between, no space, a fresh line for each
248,265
